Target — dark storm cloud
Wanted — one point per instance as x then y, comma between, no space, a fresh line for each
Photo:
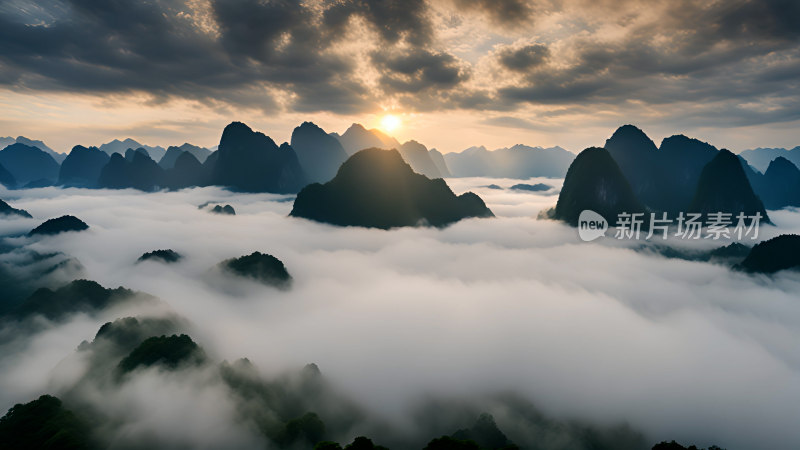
392,19
521,59
506,12
285,54
418,69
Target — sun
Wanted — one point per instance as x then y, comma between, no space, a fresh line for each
390,123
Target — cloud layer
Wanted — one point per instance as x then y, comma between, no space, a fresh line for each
591,331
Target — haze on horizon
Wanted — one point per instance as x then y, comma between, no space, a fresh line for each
456,73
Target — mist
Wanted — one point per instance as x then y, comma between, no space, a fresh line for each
596,333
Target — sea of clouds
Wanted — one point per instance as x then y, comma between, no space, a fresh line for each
596,332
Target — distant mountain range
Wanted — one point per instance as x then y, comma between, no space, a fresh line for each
682,175
663,178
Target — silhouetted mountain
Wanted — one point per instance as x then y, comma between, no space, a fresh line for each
636,155
165,256
169,352
377,188
781,184
451,443
519,161
418,157
251,162
261,267
58,157
760,158
173,152
723,187
680,160
59,225
779,253
7,210
117,146
319,153
594,181
486,434
227,209
438,160
82,167
358,138
6,178
140,172
129,153
187,171
125,334
28,164
44,424
538,187
78,296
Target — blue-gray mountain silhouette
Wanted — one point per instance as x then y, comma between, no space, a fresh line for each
773,255
28,164
59,225
249,161
594,181
519,161
6,209
165,256
419,158
679,162
723,187
781,184
6,178
117,146
319,153
440,163
58,157
760,158
82,167
377,188
187,171
173,152
140,173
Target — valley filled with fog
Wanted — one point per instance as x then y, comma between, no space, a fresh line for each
419,328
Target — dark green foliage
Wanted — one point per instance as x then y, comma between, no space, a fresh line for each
776,254
261,267
28,163
165,351
167,256
307,429
43,424
77,296
251,162
364,443
319,153
376,188
327,445
734,250
672,445
23,271
227,209
723,187
128,332
450,443
6,209
595,182
538,187
486,434
59,225
82,167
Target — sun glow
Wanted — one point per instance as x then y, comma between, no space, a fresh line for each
390,123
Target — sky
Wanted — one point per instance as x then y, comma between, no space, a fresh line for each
456,73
